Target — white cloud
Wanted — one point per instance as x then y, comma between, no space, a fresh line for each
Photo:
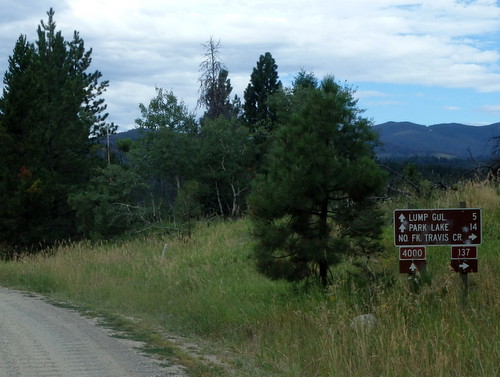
494,109
370,93
448,43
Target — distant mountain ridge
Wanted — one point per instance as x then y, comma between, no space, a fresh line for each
447,140
407,139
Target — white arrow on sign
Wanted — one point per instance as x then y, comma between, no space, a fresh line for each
402,218
402,228
472,236
413,267
463,266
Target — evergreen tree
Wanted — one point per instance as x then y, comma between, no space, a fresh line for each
313,204
305,80
107,205
49,109
286,101
263,84
15,118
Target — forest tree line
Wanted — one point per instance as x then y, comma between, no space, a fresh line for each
59,178
305,153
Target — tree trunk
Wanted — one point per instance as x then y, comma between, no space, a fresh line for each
323,234
219,199
323,273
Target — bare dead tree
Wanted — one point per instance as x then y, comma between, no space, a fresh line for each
215,87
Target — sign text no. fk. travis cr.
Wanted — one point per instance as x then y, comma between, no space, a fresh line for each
437,227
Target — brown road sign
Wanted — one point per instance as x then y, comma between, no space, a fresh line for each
464,252
412,252
411,266
464,265
433,227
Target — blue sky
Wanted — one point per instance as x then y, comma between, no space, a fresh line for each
428,104
428,62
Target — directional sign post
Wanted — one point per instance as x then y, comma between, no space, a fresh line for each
416,228
464,259
464,252
412,259
464,266
435,227
412,253
411,266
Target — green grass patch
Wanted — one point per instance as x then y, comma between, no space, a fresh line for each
206,288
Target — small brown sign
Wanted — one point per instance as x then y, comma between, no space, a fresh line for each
464,252
411,266
464,265
412,253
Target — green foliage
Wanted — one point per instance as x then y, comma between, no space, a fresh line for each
263,84
173,152
187,207
207,287
50,107
165,111
305,80
124,145
165,156
415,181
421,177
310,207
225,159
108,205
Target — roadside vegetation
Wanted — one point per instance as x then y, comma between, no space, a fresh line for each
206,289
242,243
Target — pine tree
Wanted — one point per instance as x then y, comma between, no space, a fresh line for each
14,130
263,84
259,107
49,109
305,80
313,205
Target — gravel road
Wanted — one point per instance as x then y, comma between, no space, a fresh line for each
38,339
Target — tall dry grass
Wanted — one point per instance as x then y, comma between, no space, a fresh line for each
207,287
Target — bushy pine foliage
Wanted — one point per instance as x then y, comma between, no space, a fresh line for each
313,205
49,109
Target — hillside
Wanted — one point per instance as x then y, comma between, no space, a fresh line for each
406,139
448,140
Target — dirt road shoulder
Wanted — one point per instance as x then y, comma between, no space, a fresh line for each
40,339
